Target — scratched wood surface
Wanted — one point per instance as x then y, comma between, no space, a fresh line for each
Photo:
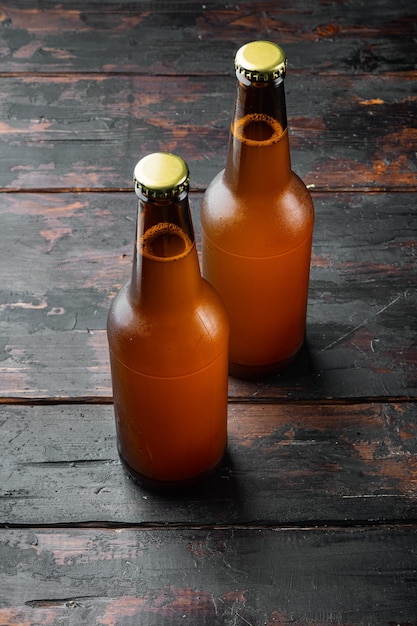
347,132
183,38
311,519
266,577
286,464
362,306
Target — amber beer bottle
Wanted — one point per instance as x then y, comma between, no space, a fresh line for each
168,338
257,222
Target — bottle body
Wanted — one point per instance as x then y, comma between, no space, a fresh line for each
171,422
257,223
168,339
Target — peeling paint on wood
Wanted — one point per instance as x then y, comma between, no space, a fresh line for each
209,576
291,463
362,302
311,519
60,133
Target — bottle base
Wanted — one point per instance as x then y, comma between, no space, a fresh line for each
169,487
256,372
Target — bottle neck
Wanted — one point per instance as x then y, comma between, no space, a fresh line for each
258,157
165,272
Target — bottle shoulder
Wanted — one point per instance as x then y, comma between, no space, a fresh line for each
168,345
271,221
220,199
133,324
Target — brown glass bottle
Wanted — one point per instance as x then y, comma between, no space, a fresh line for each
168,337
257,223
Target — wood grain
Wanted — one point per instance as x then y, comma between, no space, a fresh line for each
298,464
65,256
84,132
173,38
196,577
312,517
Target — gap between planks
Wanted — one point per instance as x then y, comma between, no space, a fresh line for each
302,526
314,190
252,399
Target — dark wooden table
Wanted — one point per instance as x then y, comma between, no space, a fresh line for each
312,519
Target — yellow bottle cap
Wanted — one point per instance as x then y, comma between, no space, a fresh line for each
161,175
260,61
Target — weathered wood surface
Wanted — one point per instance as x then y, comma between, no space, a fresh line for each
286,464
347,132
64,256
172,38
210,577
311,519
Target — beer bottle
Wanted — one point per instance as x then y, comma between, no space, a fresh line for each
168,338
257,222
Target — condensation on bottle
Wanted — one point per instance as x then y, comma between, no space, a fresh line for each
168,340
257,223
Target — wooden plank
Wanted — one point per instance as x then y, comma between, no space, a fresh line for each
286,464
347,133
200,577
177,37
64,256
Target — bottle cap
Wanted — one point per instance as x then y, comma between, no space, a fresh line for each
260,61
161,175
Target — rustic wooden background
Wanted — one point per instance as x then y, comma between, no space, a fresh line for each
312,519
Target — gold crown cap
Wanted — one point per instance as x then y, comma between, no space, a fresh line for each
161,175
260,61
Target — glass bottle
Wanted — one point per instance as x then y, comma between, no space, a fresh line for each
168,338
257,223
